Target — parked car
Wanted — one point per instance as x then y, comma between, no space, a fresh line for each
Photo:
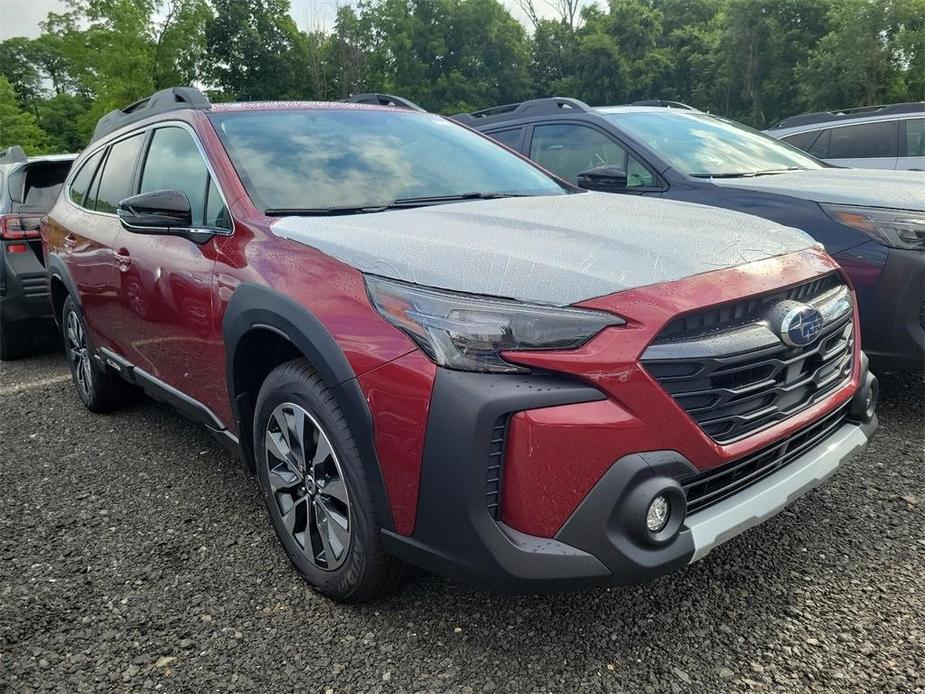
871,222
870,137
432,351
28,187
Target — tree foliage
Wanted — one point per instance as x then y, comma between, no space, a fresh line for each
753,60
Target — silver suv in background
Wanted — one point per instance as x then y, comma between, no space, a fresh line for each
870,137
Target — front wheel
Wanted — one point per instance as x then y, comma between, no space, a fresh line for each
315,488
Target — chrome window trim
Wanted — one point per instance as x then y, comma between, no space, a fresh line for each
217,231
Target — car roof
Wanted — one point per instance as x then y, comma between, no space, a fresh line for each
303,106
607,110
840,122
851,116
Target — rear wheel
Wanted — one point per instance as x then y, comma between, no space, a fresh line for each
98,390
315,488
16,339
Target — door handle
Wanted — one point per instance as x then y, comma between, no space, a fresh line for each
70,243
123,259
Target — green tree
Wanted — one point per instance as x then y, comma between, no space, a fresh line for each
874,53
18,127
253,50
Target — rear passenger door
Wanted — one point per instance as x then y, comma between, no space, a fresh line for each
912,144
567,149
92,229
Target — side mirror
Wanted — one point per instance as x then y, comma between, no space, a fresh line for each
606,179
165,212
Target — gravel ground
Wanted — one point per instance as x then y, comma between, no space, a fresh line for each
135,555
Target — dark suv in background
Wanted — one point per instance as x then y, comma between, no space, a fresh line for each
28,188
871,221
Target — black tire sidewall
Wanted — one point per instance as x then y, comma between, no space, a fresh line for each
70,306
287,384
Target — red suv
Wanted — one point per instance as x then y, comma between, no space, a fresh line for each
431,351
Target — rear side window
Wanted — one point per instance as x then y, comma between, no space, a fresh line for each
802,140
864,141
915,137
509,138
80,186
42,184
174,163
116,181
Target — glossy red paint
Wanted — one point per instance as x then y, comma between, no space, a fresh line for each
552,460
398,394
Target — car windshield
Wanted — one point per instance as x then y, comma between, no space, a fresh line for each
330,160
706,146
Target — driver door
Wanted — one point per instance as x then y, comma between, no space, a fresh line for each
166,281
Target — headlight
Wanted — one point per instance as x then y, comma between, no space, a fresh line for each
469,333
896,228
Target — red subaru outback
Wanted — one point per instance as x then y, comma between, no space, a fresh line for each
431,351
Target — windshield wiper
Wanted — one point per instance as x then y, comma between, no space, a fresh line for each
748,174
322,211
398,204
440,199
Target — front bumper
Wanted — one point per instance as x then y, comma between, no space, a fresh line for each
893,312
601,543
720,523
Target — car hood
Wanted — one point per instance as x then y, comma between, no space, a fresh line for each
550,249
869,187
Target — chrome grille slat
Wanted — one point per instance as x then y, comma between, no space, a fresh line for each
759,381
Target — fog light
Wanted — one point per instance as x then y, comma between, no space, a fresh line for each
657,515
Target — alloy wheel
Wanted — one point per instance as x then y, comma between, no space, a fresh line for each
78,354
308,486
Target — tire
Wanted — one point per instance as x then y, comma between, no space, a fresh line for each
16,339
316,490
98,390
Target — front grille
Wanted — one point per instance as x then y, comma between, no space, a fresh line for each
734,376
496,466
737,313
710,487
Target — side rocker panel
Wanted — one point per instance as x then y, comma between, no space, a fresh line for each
254,306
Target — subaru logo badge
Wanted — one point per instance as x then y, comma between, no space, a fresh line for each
800,325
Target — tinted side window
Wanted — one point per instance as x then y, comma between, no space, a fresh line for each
509,138
820,148
569,149
174,163
116,181
802,140
80,186
864,141
915,138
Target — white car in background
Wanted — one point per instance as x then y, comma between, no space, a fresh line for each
870,137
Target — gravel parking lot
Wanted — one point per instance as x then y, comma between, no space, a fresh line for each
135,555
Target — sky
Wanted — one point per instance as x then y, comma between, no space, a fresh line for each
22,17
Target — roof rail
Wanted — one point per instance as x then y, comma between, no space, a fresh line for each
534,107
381,100
13,155
663,103
163,101
848,113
